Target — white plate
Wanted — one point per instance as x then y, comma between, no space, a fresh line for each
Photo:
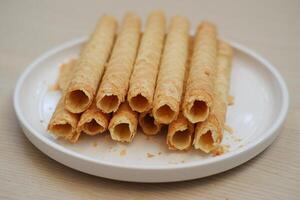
261,104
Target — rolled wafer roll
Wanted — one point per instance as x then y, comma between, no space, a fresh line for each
170,79
123,125
115,82
148,123
208,134
181,131
63,123
93,121
90,66
180,134
143,79
199,90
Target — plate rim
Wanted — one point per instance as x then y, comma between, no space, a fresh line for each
203,162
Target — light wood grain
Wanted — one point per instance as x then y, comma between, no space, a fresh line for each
28,28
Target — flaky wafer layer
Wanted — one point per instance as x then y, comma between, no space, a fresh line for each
90,66
115,82
208,134
93,121
199,90
63,123
123,125
170,79
143,79
148,123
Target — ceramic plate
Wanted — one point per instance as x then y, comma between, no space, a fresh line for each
261,103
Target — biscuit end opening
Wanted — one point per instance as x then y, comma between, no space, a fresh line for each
77,101
122,132
165,114
93,127
109,103
139,103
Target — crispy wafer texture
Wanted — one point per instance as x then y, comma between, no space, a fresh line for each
143,79
93,121
199,90
180,134
63,123
115,82
148,123
181,131
208,134
90,66
123,125
170,79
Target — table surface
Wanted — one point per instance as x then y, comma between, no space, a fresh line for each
28,28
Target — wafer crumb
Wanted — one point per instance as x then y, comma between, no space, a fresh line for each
150,155
220,150
230,100
95,143
123,152
228,129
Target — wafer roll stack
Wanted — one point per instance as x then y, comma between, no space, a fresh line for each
208,134
143,79
90,66
170,79
93,121
148,123
199,90
123,125
63,123
115,82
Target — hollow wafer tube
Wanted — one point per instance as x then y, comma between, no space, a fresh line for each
170,79
208,134
63,123
93,121
90,66
115,82
143,79
123,125
148,123
180,134
199,90
181,131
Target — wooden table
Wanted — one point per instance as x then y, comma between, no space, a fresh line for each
29,27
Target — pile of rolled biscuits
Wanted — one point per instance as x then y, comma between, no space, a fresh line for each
124,78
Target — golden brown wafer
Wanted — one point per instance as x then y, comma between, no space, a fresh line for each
170,79
148,123
181,131
63,123
208,134
115,82
143,79
93,121
123,125
90,66
180,134
199,90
